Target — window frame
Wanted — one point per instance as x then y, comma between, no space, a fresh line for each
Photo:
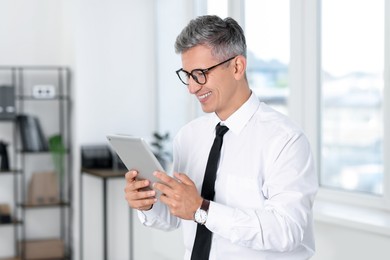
304,73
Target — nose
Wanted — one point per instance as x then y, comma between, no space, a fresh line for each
193,86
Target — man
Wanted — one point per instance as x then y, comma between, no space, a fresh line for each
265,183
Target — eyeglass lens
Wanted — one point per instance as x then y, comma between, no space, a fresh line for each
198,75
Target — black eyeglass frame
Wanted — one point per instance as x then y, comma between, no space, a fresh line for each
202,71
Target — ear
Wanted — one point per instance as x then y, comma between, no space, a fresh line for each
239,67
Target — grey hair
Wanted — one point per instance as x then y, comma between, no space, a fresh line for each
225,37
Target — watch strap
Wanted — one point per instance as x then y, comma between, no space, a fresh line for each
205,205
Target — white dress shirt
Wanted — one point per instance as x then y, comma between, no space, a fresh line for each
264,189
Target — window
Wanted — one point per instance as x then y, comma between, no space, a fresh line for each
326,60
267,31
352,41
217,7
336,85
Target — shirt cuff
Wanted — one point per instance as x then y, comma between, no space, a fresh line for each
219,217
149,216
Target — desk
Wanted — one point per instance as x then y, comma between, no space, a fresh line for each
104,174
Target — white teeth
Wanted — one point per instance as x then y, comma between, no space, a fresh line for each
205,95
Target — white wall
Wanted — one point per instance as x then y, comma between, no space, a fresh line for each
31,32
115,68
174,102
334,242
115,92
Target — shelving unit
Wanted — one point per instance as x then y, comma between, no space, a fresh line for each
14,221
42,92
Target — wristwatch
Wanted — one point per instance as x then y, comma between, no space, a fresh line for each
200,215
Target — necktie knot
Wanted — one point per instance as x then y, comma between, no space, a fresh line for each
220,130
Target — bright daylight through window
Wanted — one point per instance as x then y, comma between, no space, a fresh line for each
217,7
351,131
267,28
352,95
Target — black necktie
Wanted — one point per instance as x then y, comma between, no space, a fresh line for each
202,244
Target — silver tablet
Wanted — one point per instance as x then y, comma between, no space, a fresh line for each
136,154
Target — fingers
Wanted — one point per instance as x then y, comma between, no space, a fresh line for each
170,181
143,200
183,178
137,192
130,176
179,193
140,199
167,184
164,177
133,184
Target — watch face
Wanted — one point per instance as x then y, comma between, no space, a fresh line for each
200,216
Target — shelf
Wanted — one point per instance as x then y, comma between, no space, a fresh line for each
9,172
104,173
54,205
34,152
40,152
8,120
32,98
48,248
34,67
19,258
14,222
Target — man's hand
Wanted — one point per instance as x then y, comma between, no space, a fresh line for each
179,194
136,193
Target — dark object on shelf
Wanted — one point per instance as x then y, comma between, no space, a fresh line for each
5,214
7,103
44,189
31,133
4,163
43,249
96,157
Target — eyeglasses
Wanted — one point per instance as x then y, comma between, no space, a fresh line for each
199,75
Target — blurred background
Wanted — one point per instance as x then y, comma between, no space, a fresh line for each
323,63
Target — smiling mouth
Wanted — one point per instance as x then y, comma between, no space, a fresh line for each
201,97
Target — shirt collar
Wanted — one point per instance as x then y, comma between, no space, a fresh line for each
237,121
